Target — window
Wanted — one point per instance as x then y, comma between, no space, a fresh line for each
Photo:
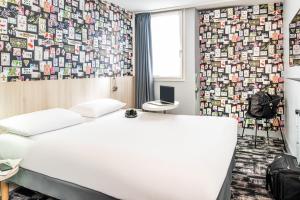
166,31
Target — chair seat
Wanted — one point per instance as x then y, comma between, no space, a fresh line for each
249,115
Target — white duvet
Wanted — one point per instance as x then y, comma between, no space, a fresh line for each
152,157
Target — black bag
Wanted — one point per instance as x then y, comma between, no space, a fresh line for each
260,104
283,178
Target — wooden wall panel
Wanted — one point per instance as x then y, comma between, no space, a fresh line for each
24,97
125,91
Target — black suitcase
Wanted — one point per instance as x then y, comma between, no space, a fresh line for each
283,178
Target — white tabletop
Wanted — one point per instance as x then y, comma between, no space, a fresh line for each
10,174
148,106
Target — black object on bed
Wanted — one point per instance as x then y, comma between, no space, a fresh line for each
131,113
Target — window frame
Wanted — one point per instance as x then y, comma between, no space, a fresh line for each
182,50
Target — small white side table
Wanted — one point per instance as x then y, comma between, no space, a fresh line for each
149,106
4,185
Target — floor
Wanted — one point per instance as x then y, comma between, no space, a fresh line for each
25,194
248,176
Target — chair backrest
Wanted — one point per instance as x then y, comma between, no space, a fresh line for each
263,105
275,102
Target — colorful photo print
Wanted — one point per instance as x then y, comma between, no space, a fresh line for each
295,40
76,39
241,53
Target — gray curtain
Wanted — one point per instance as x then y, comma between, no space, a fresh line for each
143,50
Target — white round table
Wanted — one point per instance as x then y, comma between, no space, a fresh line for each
150,106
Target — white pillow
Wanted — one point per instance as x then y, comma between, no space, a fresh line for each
98,107
40,122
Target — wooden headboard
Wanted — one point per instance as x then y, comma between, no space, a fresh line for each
24,97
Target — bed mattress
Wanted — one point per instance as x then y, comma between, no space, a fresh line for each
153,156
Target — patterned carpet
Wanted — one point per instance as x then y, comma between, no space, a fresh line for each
26,194
250,171
248,176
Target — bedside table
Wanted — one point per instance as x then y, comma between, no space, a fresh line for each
149,106
4,185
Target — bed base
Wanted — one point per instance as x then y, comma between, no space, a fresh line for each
68,191
55,188
225,192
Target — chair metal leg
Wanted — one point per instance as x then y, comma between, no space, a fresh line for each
281,133
243,123
256,127
267,122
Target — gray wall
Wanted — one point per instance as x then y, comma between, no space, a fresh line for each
185,90
292,88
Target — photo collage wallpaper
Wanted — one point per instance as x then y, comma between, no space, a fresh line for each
241,53
60,39
295,40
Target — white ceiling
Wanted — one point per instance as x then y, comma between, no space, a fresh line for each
156,5
149,5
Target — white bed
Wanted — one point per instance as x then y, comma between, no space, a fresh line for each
150,157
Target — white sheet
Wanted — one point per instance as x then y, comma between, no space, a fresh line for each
13,146
151,157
